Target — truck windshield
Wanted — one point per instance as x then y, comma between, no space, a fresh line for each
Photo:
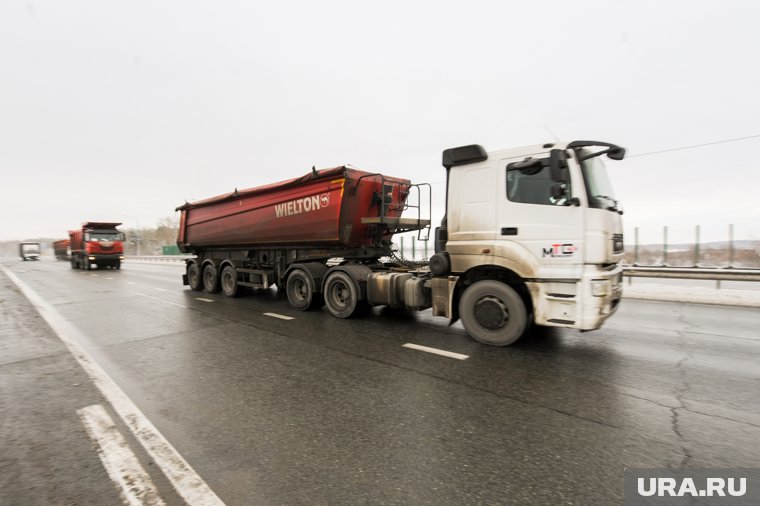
598,185
30,249
104,236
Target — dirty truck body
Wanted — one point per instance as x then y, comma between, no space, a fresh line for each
61,249
96,243
29,251
531,235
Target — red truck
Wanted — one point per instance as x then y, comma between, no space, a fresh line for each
61,249
97,243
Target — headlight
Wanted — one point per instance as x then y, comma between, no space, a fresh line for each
90,258
599,287
121,257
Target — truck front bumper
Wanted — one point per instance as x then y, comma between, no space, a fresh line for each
583,303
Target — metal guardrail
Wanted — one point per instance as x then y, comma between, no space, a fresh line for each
718,273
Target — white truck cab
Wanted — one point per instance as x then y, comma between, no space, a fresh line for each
530,234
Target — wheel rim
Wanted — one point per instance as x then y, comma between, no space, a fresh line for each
301,290
339,294
228,283
192,276
208,277
491,313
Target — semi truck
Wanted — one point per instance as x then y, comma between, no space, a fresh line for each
29,250
531,235
61,249
96,243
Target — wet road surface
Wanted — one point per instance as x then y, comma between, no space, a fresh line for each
316,410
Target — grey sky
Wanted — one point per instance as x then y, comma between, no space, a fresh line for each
109,110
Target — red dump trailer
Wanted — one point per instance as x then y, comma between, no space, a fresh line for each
61,249
283,234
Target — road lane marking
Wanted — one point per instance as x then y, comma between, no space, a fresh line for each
188,484
131,283
109,278
204,300
131,480
443,353
159,299
160,289
280,316
95,275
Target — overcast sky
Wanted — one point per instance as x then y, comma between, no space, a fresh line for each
123,110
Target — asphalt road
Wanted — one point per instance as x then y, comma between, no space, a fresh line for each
316,410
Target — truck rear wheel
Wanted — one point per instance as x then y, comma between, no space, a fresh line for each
300,291
194,277
229,281
493,313
340,293
211,279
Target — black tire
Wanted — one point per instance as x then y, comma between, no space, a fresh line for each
86,265
300,290
228,281
341,295
117,265
194,277
211,279
493,313
73,263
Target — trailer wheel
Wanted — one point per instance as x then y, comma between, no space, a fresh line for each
211,279
493,313
300,290
194,277
118,264
341,297
229,281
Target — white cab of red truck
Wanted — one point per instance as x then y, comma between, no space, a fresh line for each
531,234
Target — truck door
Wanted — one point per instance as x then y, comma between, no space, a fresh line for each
550,228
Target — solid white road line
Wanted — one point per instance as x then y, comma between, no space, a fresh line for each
133,483
204,300
188,484
443,353
280,316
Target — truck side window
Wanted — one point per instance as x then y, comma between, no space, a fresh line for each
533,185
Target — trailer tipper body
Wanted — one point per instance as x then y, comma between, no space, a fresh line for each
61,249
530,235
96,243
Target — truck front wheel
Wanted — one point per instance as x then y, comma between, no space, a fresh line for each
194,277
211,279
493,313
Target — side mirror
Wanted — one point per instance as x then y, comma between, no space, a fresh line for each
558,165
616,153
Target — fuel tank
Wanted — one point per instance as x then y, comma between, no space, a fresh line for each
325,208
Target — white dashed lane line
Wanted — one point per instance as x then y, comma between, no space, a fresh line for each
436,351
204,300
280,316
